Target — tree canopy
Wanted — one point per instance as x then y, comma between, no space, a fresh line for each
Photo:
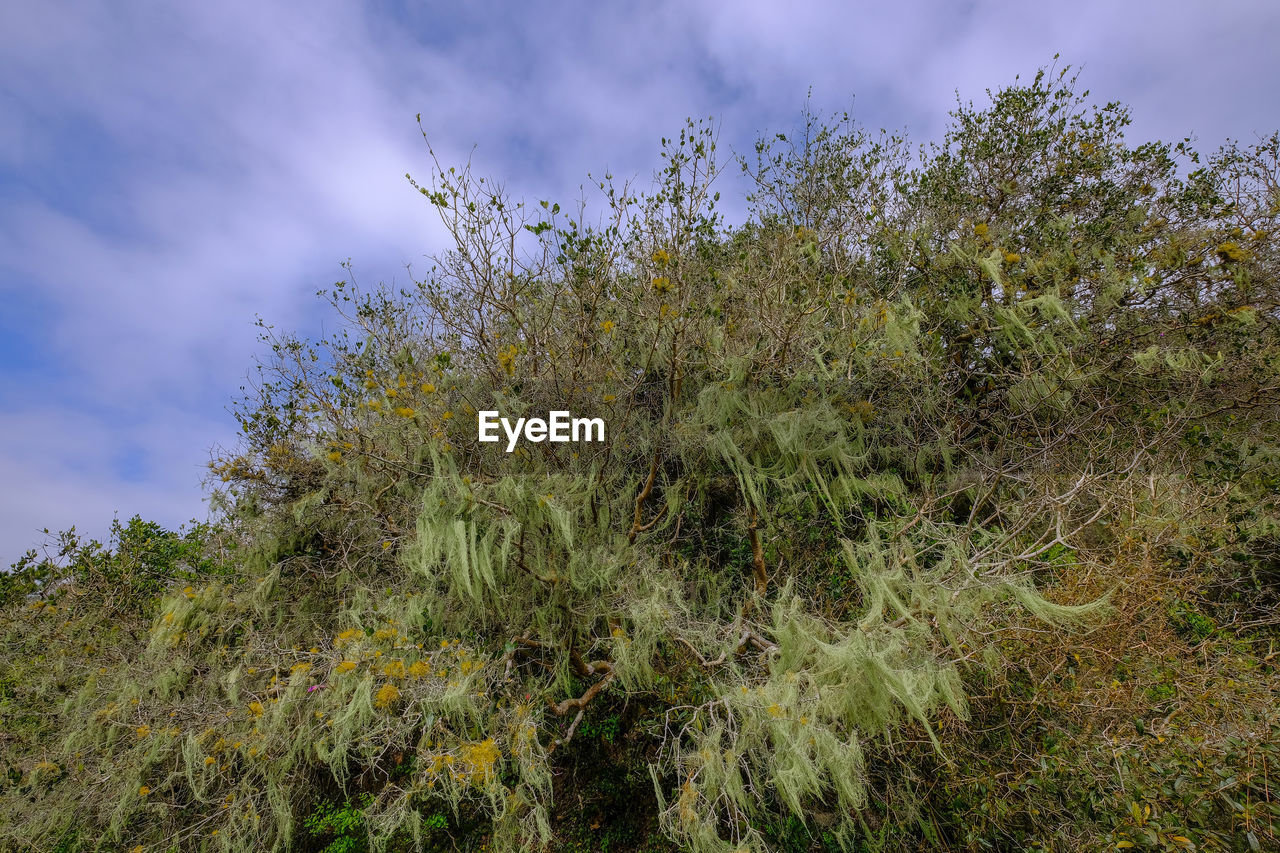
873,459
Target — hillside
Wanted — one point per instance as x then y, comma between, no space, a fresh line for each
937,507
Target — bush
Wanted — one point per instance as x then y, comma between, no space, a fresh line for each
869,460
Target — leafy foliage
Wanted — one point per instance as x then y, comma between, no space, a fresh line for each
873,459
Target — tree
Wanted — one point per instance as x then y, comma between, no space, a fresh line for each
842,440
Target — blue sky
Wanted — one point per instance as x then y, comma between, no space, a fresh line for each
169,170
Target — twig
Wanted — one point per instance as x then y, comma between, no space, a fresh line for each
642,497
581,702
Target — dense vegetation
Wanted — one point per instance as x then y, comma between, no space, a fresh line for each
937,510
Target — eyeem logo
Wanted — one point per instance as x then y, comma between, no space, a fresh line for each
560,426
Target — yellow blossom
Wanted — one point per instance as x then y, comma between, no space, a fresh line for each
507,358
1231,252
387,696
480,757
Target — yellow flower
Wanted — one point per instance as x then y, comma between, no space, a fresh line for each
387,696
507,358
255,709
481,756
143,730
608,326
981,230
661,258
143,791
209,760
662,284
1012,257
1231,252
404,411
335,456
346,666
419,669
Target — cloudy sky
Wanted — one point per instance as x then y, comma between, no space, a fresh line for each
169,170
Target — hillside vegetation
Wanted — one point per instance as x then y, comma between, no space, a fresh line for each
937,510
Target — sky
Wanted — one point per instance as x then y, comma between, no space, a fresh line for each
169,171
